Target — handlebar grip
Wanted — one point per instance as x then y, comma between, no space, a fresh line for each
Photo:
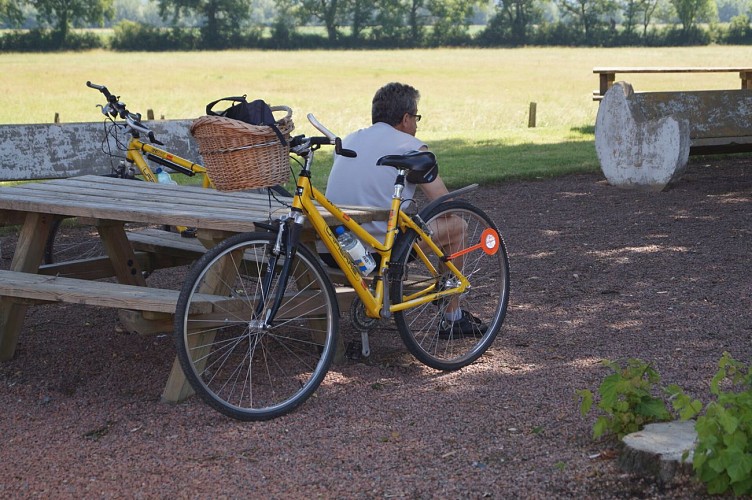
321,128
348,153
100,88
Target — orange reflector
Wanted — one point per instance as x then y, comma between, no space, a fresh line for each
489,243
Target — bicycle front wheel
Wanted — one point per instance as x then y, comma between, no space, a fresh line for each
70,241
464,231
239,362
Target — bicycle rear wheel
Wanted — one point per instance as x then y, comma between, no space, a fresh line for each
234,363
424,329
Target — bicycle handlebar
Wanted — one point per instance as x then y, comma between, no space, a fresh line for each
329,139
115,108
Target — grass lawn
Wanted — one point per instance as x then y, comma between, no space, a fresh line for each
474,102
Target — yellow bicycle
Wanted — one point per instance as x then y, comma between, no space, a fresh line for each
271,333
135,158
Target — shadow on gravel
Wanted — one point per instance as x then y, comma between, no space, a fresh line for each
597,272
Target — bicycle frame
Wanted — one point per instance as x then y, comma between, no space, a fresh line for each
376,302
135,155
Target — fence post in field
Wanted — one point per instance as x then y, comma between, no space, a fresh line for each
531,116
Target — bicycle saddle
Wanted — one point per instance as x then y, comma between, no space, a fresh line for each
421,165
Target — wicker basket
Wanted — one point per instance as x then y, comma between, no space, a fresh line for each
238,155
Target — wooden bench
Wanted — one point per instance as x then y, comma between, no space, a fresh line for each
110,204
644,139
607,75
37,288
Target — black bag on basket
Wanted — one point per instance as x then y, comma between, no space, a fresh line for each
254,113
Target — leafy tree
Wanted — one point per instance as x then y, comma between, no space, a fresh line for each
739,30
222,19
390,21
63,14
360,15
414,20
451,19
692,11
330,12
588,14
10,13
649,8
513,21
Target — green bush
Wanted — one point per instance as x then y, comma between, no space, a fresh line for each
134,36
723,455
738,32
39,40
626,399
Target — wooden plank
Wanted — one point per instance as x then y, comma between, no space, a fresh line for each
670,69
90,269
119,199
93,293
188,197
157,241
607,75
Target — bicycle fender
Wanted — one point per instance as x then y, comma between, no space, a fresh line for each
449,196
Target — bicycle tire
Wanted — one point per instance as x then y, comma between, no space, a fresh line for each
487,297
238,368
63,245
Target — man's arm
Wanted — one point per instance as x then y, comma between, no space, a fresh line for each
434,189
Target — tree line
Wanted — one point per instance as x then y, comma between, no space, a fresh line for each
290,24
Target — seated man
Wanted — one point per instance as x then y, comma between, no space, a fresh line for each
359,181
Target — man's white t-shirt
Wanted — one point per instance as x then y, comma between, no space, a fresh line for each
359,181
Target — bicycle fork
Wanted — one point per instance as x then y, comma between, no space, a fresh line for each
288,235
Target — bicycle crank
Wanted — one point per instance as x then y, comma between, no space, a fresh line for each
363,324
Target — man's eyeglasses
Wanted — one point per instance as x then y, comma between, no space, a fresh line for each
417,117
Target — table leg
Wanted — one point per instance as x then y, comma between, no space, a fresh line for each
127,269
177,388
26,258
746,77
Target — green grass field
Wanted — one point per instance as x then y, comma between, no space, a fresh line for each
475,102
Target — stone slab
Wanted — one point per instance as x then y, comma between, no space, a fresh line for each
54,151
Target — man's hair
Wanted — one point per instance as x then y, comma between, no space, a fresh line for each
392,101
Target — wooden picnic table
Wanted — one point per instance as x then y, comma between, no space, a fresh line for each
110,204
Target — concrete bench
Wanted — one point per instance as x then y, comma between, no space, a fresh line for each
644,139
60,150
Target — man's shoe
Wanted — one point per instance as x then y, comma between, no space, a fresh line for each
467,326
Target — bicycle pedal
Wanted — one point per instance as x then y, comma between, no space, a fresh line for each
354,350
189,232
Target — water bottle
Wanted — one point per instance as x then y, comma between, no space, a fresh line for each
163,177
350,244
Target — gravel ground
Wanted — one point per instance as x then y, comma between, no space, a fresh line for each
598,273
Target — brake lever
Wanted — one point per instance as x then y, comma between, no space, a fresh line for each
154,139
348,153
